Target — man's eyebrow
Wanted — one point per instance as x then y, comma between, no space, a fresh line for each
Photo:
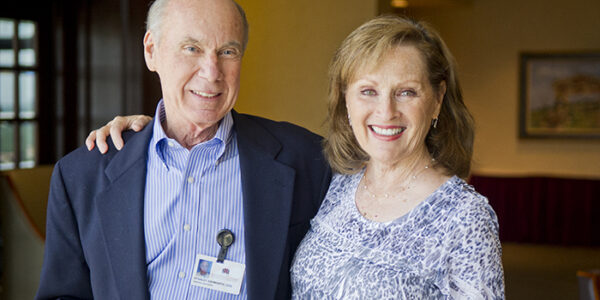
232,43
189,40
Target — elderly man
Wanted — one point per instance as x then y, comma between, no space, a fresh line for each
201,184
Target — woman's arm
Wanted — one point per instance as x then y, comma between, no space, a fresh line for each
475,258
114,129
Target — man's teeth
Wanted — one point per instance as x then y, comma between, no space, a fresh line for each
204,94
387,131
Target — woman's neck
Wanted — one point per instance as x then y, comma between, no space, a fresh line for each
385,175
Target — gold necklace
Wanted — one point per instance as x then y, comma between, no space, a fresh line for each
386,195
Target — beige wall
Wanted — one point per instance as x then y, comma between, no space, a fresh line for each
291,42
486,37
284,74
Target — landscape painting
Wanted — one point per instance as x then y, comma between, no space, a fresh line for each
560,95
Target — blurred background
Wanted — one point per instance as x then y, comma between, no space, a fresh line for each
69,66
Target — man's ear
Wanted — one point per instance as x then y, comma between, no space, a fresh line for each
149,51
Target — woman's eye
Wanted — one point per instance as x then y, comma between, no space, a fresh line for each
368,92
407,93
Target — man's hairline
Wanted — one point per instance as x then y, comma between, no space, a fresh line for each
156,32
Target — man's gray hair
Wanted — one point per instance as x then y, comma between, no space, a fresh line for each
157,9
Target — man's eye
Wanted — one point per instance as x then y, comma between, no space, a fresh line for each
368,92
191,49
229,52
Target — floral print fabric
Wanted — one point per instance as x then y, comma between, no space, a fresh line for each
445,248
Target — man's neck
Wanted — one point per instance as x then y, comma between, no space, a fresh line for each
189,135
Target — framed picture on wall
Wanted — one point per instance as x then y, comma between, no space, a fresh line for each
559,95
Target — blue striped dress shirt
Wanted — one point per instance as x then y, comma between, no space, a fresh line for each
190,196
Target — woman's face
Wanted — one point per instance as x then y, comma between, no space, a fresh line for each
391,106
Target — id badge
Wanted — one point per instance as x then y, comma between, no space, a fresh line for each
225,277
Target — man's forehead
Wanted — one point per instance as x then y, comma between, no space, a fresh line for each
203,17
217,11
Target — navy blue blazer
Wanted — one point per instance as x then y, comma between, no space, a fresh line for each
95,244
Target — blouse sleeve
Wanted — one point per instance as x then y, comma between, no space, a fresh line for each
473,265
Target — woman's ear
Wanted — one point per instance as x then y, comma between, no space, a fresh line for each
440,98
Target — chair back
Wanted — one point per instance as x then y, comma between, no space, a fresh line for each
30,188
589,284
23,200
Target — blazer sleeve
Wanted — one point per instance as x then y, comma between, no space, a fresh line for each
65,274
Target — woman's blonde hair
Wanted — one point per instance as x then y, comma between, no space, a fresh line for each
451,143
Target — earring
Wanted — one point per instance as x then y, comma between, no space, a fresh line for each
434,122
349,121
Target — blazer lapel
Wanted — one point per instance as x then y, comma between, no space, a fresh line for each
268,189
121,210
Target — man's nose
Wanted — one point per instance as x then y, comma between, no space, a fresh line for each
209,68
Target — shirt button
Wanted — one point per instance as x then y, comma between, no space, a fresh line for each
190,179
171,144
187,227
181,274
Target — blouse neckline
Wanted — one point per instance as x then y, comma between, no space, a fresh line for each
429,200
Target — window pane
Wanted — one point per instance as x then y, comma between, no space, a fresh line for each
7,95
7,149
26,43
28,144
7,55
27,57
7,28
27,95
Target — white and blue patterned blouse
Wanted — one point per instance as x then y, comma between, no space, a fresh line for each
445,248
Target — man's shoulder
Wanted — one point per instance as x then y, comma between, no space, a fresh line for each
84,161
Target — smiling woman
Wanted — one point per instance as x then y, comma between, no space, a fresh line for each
398,222
391,108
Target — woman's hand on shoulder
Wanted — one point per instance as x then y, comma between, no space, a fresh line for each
114,128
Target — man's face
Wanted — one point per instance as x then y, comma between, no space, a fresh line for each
198,57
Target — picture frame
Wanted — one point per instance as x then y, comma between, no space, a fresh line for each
559,95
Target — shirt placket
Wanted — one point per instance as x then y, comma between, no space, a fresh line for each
190,236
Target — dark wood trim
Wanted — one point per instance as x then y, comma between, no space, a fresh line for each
70,83
46,92
16,94
86,25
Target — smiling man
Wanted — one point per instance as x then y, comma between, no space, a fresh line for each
203,184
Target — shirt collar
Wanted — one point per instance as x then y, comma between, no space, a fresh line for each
160,138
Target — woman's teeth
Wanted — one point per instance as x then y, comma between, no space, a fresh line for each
388,131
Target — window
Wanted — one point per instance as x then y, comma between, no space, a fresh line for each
19,76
